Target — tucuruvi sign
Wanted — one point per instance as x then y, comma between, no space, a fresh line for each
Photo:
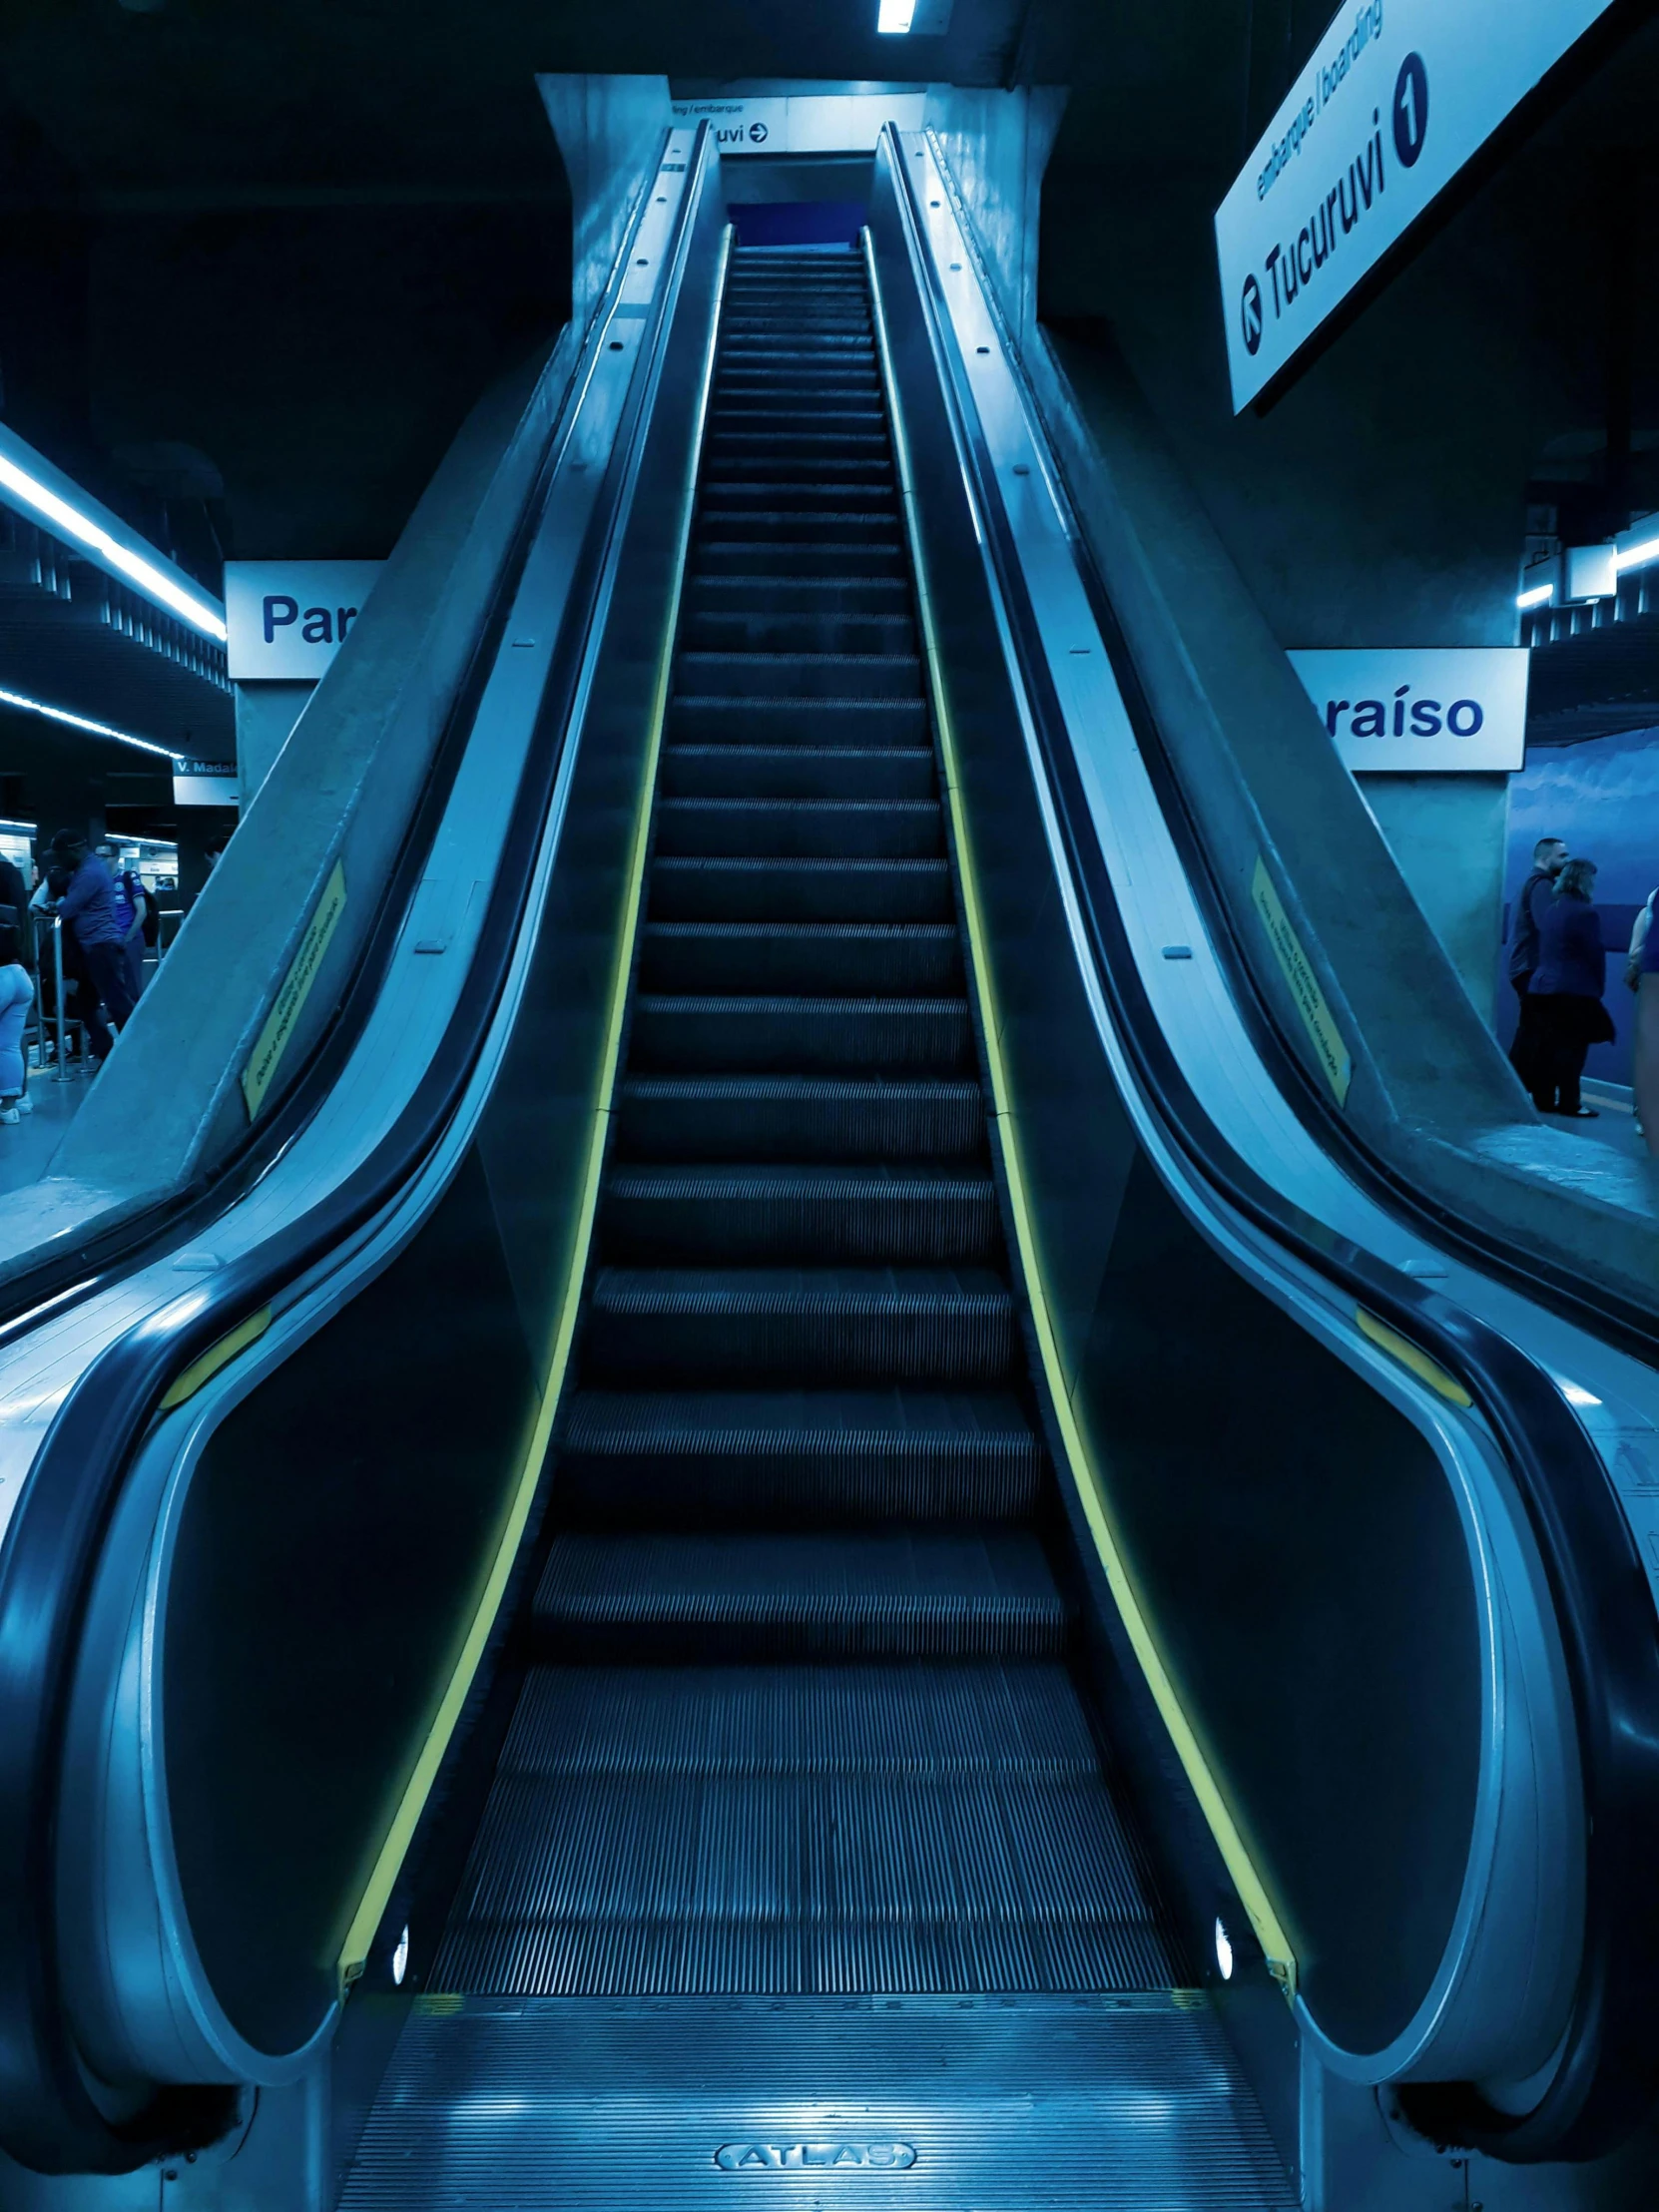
1441,709
1397,97
803,122
288,618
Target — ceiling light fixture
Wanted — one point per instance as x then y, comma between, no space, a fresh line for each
21,488
80,722
895,17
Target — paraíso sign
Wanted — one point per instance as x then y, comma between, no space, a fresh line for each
288,618
1427,712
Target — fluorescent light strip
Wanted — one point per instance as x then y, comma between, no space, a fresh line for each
80,722
895,17
69,522
1538,596
1637,556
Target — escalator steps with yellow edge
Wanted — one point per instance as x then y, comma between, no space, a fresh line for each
802,1445
802,1799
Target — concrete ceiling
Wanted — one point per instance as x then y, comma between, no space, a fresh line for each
218,98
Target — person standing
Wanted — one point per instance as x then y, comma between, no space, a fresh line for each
131,910
1567,986
1549,858
17,995
1647,1041
15,914
88,908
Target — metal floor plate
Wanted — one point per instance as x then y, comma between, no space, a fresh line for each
929,2105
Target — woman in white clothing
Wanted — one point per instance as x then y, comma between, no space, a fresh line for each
17,995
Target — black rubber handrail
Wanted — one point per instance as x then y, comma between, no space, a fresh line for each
49,2119
1604,1607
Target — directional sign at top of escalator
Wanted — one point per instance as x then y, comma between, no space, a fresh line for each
803,122
1398,97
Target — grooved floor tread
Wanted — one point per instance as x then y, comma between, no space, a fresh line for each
839,2103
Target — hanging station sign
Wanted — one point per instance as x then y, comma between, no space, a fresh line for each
1443,709
1399,96
802,122
288,618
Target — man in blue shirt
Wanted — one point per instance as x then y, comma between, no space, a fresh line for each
88,908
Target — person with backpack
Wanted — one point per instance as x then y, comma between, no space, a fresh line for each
87,906
131,913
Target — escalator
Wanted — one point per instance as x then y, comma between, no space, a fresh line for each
801,1718
806,1573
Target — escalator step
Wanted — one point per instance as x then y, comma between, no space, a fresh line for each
795,1036
818,534
798,772
855,552
795,1458
983,1718
729,495
820,829
786,468
965,1882
855,957
680,1214
811,722
734,439
773,1953
848,377
750,674
771,1117
925,1593
663,1327
759,630
736,890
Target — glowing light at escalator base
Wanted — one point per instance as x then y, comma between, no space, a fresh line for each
1223,1951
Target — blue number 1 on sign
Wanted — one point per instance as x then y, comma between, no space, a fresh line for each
1411,110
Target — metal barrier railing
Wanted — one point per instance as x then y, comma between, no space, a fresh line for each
62,1026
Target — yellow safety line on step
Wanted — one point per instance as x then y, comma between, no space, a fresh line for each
378,1895
1091,1492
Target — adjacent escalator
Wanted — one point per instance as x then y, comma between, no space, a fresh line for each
802,1727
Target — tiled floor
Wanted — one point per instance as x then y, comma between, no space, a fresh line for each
1615,1122
25,1150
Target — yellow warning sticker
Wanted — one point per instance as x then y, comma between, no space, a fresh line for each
260,1071
1334,1055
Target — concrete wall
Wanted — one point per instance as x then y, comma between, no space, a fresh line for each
1443,832
998,144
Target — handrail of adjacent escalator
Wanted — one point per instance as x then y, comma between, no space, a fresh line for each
1610,2057
49,2117
91,1264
